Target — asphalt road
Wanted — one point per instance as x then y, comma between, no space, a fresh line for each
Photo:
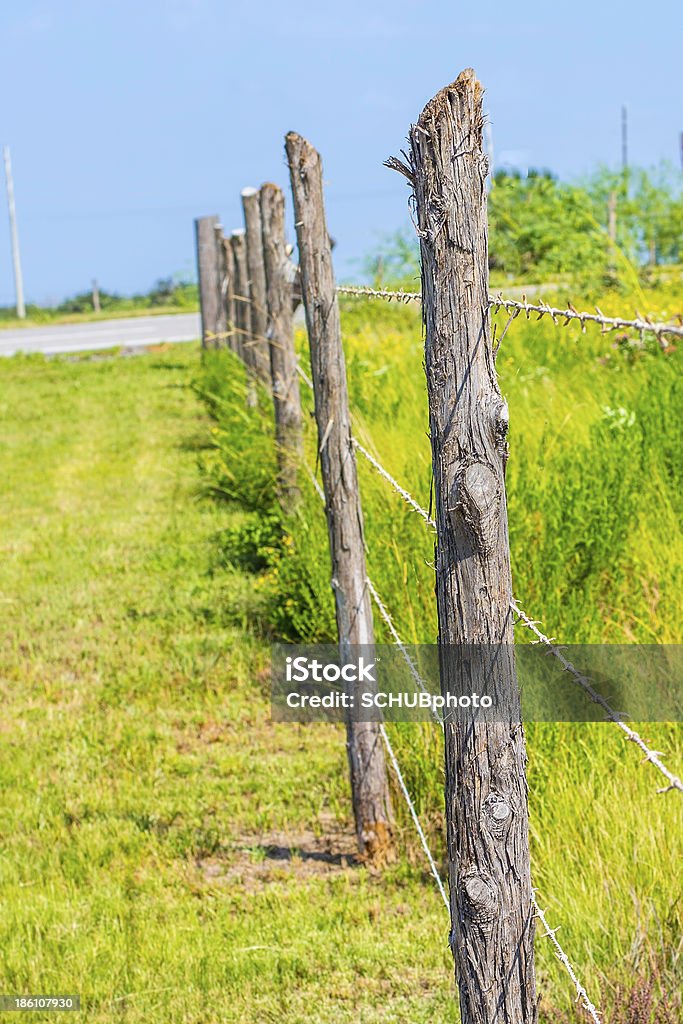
130,332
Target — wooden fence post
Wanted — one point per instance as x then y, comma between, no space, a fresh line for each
229,258
369,783
221,288
243,311
283,362
207,272
486,794
257,284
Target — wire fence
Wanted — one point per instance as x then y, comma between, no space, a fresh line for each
550,933
640,324
651,756
246,339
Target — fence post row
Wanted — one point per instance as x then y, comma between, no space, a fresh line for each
369,783
280,331
486,793
205,239
257,285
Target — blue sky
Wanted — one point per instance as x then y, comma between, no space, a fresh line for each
127,119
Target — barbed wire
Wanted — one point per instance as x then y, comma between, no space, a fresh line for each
642,324
304,376
407,497
609,323
651,756
360,291
549,932
564,960
401,646
414,815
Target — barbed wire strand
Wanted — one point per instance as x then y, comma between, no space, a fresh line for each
414,815
407,497
549,932
651,756
359,291
304,376
564,960
401,646
610,323
517,306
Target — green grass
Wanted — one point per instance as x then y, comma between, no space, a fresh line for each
148,803
143,783
594,482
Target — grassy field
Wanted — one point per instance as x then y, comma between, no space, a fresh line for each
167,851
594,482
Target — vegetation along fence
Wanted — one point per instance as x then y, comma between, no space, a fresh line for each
249,289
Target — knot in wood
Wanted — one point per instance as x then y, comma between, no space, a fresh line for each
500,429
496,815
480,898
477,498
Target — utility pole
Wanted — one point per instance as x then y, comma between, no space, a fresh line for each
612,232
18,280
624,139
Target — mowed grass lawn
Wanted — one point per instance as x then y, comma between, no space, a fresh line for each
166,852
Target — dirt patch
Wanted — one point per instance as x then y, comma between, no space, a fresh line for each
254,861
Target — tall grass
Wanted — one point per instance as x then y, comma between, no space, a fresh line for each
594,490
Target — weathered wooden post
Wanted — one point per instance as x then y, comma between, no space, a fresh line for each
486,793
280,274
229,258
243,310
257,284
222,287
369,784
207,272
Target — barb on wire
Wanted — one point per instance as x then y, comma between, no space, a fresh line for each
407,497
652,756
564,960
379,293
